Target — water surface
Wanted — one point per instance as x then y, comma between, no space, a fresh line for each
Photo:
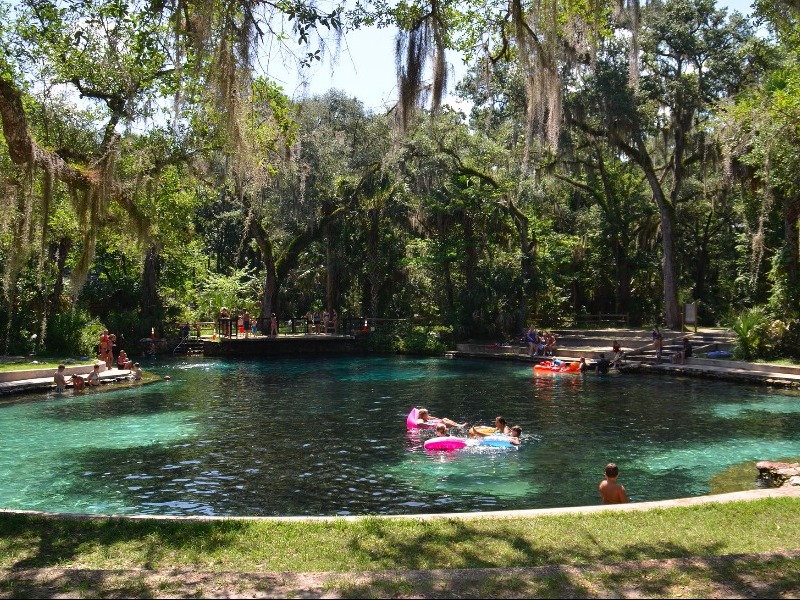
327,436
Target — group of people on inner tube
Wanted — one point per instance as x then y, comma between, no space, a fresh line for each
500,426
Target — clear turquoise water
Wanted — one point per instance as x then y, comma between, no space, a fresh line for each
327,436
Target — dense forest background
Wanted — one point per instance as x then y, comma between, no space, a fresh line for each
618,157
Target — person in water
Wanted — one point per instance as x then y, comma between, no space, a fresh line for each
516,432
500,426
602,365
425,418
441,430
59,379
610,491
94,376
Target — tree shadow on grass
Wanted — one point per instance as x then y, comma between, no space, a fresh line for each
442,558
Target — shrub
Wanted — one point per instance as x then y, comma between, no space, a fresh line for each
752,339
72,333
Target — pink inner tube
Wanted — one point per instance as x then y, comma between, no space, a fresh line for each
411,419
445,443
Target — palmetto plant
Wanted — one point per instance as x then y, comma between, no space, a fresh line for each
750,328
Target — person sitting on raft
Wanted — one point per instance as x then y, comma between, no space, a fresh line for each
500,427
425,419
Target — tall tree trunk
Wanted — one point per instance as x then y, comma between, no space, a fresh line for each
150,304
373,268
527,263
672,313
59,257
791,214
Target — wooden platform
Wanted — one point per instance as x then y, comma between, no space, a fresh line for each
282,345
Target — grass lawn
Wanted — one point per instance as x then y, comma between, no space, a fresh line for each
697,551
24,364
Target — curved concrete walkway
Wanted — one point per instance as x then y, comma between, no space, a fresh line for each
786,491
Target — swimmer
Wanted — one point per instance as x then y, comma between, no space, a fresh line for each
78,383
426,419
441,430
59,379
94,376
516,432
500,426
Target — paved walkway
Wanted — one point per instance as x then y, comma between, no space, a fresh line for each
46,383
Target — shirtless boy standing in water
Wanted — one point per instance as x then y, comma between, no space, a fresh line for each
611,491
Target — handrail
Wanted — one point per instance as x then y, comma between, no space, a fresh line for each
180,344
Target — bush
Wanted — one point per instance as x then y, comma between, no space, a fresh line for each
407,339
72,333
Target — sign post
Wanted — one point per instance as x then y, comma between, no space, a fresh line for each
690,314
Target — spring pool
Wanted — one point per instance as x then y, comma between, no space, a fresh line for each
327,436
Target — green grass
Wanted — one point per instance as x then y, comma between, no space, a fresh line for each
24,364
738,549
378,544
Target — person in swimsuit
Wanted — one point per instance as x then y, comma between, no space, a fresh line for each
246,322
610,491
94,376
424,419
78,383
500,426
59,379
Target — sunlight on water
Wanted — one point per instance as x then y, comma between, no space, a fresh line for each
41,447
703,461
770,404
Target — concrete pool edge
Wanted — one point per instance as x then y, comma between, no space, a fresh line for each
785,491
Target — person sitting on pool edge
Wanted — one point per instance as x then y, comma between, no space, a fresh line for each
424,418
610,491
94,376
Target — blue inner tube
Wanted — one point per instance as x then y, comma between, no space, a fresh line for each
496,441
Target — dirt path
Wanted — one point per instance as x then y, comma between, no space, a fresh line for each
765,575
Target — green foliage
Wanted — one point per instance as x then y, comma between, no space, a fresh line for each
787,334
73,332
404,338
752,338
236,292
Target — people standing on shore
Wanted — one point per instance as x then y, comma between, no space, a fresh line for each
658,342
246,323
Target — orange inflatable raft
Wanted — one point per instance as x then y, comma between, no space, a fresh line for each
556,366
